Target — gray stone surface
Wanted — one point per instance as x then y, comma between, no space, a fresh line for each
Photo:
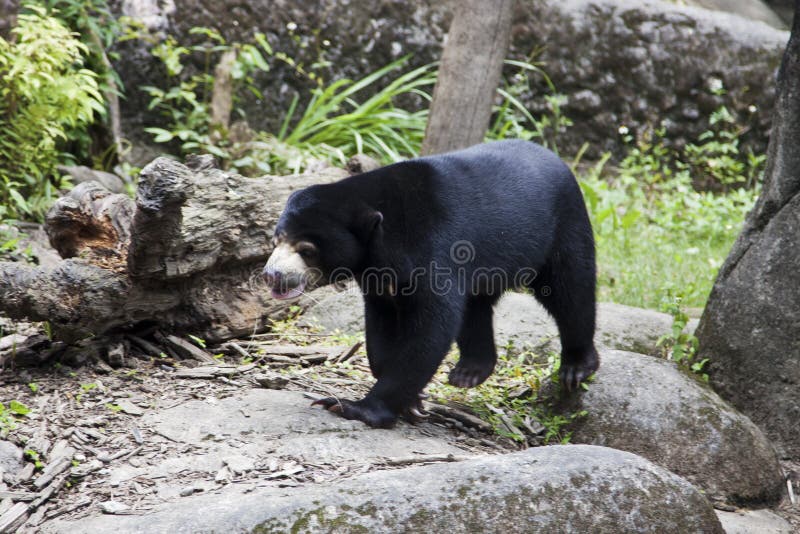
750,9
80,174
749,328
546,489
518,319
619,62
257,426
10,458
753,522
647,406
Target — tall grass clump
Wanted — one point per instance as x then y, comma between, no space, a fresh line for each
336,122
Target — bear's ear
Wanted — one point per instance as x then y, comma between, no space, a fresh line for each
369,225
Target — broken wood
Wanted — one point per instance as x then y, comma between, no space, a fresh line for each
186,255
14,518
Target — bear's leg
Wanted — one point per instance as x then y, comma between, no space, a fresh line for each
476,344
403,357
380,325
566,288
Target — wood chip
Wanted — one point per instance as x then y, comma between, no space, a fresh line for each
52,470
348,353
271,381
14,518
214,371
26,473
129,408
429,458
239,350
18,495
465,418
146,346
188,350
52,514
137,435
49,491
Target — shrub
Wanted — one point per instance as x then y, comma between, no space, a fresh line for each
44,94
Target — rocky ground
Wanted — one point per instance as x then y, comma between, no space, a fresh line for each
168,444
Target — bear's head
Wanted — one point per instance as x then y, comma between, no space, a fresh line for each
320,238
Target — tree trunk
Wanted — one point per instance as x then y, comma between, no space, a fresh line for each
187,255
469,75
8,17
749,329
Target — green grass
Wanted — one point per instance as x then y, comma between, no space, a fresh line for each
658,239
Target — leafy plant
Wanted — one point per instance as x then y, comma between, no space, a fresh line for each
655,232
332,126
333,119
679,345
45,92
34,456
10,414
716,162
512,119
98,29
509,399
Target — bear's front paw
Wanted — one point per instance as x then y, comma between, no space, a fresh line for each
373,412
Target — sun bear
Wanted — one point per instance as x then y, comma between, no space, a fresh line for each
433,243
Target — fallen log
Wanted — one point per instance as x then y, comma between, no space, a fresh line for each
185,255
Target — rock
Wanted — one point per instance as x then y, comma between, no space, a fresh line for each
647,406
338,311
647,62
33,244
129,408
749,9
11,341
545,489
113,507
749,328
521,320
10,458
258,428
644,61
80,174
518,319
750,521
361,163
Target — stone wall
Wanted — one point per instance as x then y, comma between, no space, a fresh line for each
620,63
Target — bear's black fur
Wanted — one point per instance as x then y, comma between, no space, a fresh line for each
433,243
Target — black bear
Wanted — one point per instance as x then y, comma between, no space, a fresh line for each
433,243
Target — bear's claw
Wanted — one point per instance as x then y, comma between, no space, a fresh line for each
469,375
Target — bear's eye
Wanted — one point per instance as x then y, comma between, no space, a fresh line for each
306,250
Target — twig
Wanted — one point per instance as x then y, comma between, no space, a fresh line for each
430,458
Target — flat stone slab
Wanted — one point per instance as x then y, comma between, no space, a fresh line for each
261,427
519,319
648,406
753,521
546,489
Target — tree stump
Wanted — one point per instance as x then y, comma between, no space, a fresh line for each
186,256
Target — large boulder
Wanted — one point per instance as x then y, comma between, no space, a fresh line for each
749,329
637,64
647,406
519,320
619,62
547,489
